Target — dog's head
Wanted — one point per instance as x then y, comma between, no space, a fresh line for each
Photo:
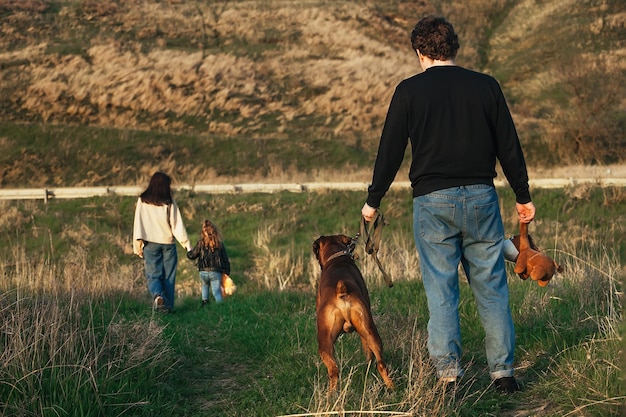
326,246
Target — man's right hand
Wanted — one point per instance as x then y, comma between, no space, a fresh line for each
368,212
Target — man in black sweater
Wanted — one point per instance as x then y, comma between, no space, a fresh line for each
459,124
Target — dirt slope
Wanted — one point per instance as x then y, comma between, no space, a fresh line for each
293,70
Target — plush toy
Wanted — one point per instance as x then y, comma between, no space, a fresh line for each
531,261
228,286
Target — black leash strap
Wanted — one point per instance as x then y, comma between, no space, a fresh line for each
372,233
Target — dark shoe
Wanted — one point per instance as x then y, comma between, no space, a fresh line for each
506,385
204,302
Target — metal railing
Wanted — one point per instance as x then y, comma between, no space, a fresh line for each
87,192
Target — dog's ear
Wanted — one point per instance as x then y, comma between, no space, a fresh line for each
316,247
515,240
345,239
532,244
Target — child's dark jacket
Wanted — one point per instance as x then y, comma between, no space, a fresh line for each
210,260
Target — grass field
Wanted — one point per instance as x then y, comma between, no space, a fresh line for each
79,338
105,92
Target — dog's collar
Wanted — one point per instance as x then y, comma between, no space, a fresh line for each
338,254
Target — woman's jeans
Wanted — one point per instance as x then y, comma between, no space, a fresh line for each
211,280
464,225
160,264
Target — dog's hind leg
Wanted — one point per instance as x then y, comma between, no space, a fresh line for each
326,337
366,349
377,350
333,371
373,346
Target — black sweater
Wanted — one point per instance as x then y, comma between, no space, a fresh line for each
459,124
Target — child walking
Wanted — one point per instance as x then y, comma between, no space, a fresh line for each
212,261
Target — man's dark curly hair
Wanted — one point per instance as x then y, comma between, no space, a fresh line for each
435,37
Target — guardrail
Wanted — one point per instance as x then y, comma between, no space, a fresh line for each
86,192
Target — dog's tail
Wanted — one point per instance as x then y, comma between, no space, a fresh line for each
342,292
341,289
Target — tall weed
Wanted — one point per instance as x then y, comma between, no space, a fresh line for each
64,348
567,333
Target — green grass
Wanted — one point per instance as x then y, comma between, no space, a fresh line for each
78,357
46,155
256,354
568,217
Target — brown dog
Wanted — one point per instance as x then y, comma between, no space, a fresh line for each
343,305
531,262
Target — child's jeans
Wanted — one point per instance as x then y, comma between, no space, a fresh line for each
211,280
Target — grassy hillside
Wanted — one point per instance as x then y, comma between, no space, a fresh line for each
96,92
78,337
100,92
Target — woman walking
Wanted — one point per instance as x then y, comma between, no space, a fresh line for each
158,225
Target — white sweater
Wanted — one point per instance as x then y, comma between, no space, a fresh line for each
152,225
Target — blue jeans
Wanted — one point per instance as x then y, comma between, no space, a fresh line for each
160,262
464,225
211,280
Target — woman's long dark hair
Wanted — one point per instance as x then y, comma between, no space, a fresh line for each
159,192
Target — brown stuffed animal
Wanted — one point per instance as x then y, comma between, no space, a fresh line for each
531,262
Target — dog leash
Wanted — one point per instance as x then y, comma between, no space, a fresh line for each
372,232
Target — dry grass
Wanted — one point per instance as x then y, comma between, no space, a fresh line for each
302,69
274,269
28,6
337,62
558,91
112,84
68,277
57,352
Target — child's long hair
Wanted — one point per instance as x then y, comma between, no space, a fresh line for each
211,236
